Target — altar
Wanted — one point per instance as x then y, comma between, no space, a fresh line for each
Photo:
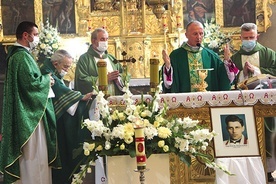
198,106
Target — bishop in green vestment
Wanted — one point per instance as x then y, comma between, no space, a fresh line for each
179,72
27,113
69,107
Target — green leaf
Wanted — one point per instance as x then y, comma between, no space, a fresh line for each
185,158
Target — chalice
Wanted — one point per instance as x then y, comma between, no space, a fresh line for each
202,74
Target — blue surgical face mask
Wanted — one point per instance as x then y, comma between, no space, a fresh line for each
248,45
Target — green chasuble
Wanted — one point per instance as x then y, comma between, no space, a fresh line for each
69,130
267,62
87,71
267,59
217,79
25,103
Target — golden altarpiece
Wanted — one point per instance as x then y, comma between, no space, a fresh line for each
143,28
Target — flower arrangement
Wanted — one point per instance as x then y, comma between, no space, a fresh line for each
48,40
214,39
113,133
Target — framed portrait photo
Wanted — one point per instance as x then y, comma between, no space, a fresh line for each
237,134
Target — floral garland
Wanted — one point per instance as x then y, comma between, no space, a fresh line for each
113,133
48,40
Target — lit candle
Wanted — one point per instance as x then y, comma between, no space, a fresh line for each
178,21
104,22
102,75
140,148
154,73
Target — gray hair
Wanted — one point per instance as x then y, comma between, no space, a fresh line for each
249,27
94,34
59,55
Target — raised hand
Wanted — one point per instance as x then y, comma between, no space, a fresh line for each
166,58
227,52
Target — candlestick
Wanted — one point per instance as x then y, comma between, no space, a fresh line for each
102,75
178,21
164,21
154,74
140,148
89,28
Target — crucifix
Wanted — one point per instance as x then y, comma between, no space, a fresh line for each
125,60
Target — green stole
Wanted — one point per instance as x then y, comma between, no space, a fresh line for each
195,62
64,96
69,131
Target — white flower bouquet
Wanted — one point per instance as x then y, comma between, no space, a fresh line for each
113,133
214,38
48,40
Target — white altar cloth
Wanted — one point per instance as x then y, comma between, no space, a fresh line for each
120,170
212,98
247,170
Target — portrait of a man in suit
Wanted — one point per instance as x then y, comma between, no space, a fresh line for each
235,128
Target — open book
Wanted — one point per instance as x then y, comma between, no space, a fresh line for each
256,82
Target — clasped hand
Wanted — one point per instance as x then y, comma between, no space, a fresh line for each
248,68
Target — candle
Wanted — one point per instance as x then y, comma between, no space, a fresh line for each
154,74
104,22
164,21
178,21
102,75
140,148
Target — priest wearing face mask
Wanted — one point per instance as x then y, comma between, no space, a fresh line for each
69,106
86,72
28,147
253,58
